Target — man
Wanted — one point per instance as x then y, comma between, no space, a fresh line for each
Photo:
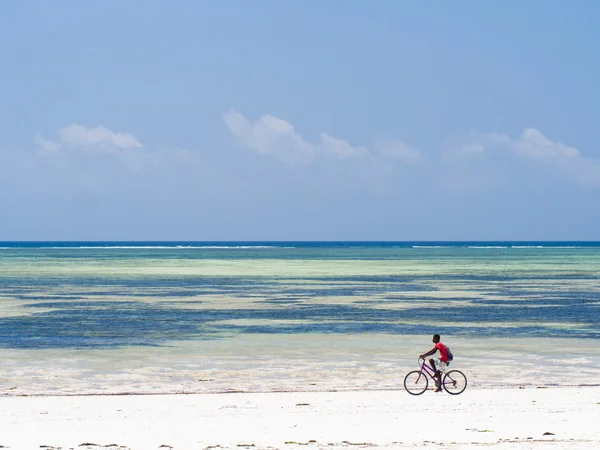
440,363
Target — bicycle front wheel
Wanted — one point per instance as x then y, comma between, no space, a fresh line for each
415,382
454,382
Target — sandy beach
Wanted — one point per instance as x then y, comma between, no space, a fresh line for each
345,394
503,418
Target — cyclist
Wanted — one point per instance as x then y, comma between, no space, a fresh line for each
440,363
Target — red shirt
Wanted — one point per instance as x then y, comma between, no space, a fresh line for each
443,352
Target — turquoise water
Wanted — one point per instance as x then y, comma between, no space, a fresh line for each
215,317
82,295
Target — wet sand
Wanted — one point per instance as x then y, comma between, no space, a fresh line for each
298,363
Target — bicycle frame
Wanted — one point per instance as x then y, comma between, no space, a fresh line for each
427,370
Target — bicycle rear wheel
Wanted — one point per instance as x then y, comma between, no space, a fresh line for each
454,382
415,382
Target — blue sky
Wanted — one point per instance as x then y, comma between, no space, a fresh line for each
299,120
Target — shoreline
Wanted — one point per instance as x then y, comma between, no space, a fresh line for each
289,391
305,363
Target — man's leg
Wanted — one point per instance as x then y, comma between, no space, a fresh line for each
437,376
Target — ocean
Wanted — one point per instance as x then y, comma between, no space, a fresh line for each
148,317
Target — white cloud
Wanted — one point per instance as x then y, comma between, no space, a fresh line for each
271,136
340,149
278,138
98,138
534,146
73,138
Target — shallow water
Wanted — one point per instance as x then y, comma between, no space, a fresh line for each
266,363
285,317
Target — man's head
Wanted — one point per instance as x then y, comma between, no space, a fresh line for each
436,338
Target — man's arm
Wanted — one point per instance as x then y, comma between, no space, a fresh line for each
429,353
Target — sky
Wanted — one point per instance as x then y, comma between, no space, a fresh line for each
299,120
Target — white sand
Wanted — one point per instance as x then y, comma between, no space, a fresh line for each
504,418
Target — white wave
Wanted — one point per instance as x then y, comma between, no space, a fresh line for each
158,247
487,246
239,246
549,246
431,246
527,246
101,247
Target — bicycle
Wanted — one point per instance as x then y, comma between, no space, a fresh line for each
416,382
